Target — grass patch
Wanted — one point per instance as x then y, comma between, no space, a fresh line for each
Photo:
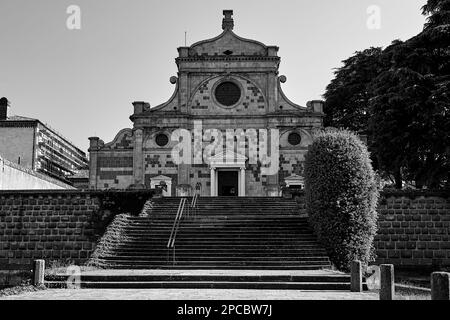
412,297
415,279
112,238
24,287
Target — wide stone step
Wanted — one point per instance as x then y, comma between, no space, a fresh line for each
192,253
165,266
180,241
207,285
220,234
214,244
245,250
222,218
194,258
243,277
215,228
238,209
209,231
228,260
221,225
218,246
226,236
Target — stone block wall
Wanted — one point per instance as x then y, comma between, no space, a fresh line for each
61,226
252,99
414,229
114,169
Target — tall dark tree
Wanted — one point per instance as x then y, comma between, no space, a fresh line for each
410,107
438,12
347,96
398,109
406,103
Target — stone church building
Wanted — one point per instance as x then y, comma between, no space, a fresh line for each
224,83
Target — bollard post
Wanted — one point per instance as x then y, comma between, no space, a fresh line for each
38,272
440,286
356,276
387,285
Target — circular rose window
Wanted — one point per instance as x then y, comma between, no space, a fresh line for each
294,139
161,140
228,93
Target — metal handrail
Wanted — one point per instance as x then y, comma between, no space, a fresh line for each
194,201
176,223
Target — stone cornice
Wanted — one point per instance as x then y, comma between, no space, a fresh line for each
173,115
225,58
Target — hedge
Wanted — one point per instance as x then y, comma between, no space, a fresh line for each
341,196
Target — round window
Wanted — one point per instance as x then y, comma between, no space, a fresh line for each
162,140
228,93
294,138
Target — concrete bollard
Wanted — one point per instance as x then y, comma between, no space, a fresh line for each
356,276
387,285
440,286
38,272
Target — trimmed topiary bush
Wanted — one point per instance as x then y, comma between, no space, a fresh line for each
341,196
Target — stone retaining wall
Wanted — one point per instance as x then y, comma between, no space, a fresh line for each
413,228
61,226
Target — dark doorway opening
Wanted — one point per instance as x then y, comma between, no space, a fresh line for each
227,183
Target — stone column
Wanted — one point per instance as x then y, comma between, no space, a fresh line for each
242,182
440,286
93,158
356,277
38,272
213,182
387,286
272,88
183,91
138,158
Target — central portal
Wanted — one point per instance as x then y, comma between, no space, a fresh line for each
228,183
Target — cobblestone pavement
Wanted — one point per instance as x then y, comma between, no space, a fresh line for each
189,294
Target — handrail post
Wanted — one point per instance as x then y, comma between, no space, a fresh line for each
173,255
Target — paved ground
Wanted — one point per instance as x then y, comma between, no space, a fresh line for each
189,294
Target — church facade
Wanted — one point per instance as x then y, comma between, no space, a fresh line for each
227,107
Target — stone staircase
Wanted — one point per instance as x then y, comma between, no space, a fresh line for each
221,233
226,243
205,279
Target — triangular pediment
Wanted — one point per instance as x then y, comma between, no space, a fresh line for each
228,156
161,178
294,177
228,43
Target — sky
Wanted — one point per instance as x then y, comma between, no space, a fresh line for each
82,82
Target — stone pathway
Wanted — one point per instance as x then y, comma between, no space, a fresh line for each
189,294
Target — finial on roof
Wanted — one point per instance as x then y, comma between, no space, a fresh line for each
227,22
